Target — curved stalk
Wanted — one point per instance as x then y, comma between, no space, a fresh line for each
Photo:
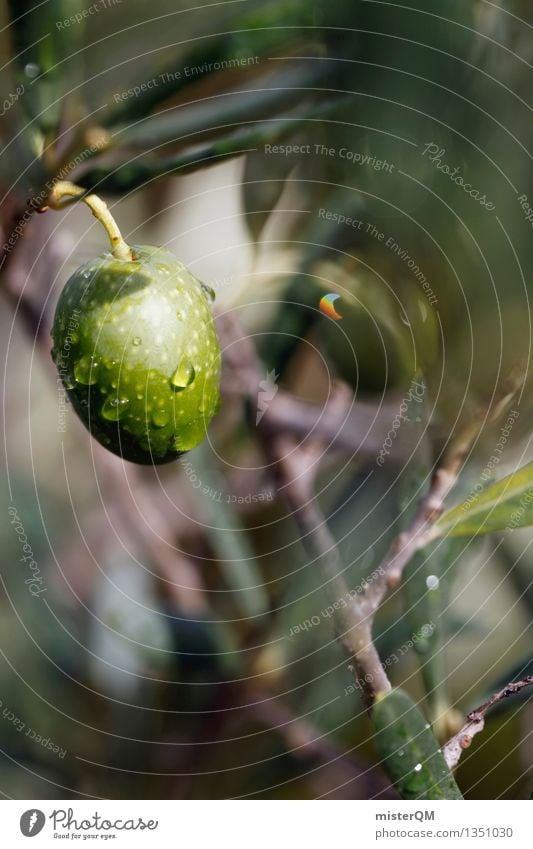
99,209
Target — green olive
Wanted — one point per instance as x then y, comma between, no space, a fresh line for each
137,350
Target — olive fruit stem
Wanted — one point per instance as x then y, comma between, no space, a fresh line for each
64,189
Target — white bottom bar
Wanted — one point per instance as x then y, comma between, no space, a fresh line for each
266,825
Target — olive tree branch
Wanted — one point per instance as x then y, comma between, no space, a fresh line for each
454,748
296,466
295,469
421,529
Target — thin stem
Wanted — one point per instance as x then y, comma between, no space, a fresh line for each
65,189
454,748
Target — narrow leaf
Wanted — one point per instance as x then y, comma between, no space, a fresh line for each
168,83
263,97
504,505
133,173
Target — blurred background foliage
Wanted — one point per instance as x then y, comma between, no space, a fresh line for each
164,658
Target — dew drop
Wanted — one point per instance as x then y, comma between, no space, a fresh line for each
185,442
32,70
183,376
418,768
137,340
86,371
432,582
159,418
114,408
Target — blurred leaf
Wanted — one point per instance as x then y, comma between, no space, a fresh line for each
422,590
425,591
262,186
264,96
229,540
516,563
134,173
504,505
409,750
44,55
211,51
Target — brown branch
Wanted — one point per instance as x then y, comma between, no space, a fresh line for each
296,467
454,748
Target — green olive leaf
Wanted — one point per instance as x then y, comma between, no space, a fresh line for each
506,504
409,750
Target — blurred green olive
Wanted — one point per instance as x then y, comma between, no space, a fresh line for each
384,335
